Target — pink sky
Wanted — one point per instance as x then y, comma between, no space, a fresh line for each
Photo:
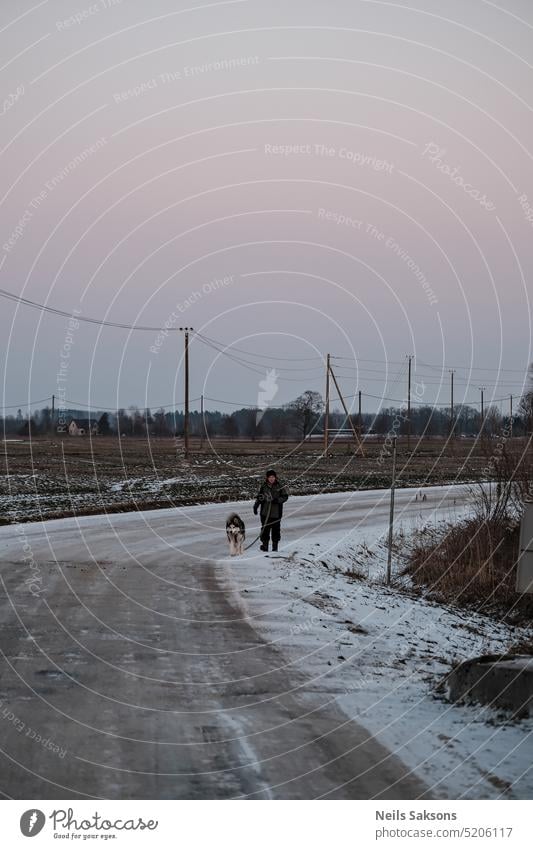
360,173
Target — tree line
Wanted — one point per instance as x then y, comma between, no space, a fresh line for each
302,419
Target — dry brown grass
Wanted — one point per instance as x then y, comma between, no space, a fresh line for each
474,562
471,563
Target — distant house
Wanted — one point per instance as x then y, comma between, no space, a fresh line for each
82,427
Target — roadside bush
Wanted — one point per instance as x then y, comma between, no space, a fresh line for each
473,562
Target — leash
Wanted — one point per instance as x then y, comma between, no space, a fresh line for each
262,526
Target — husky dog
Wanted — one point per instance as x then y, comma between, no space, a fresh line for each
236,533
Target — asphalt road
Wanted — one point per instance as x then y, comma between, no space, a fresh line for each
129,670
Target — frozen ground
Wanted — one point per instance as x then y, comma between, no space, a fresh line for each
164,669
383,652
46,479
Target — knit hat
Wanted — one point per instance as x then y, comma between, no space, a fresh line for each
271,472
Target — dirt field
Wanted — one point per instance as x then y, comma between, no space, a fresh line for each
45,478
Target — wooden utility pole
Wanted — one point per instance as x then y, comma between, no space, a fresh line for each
511,416
409,357
452,415
53,411
326,413
482,390
186,415
348,416
202,424
391,515
359,416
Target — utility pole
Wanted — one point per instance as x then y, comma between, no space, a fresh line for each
202,422
53,411
186,416
409,357
482,390
511,416
359,416
452,417
326,414
348,417
391,517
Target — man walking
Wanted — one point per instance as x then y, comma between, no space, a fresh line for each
271,498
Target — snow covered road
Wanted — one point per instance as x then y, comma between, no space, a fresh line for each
140,662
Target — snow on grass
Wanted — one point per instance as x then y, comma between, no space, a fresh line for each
381,652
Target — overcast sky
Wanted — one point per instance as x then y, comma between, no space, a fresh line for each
289,178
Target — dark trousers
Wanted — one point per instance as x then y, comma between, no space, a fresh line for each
271,527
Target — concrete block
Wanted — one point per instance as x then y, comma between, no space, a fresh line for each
501,682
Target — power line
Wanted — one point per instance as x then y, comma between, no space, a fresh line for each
251,366
263,356
234,403
429,378
234,359
429,403
470,368
223,349
249,406
87,319
442,367
241,404
25,404
115,409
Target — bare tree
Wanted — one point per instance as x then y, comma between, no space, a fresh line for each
525,408
307,409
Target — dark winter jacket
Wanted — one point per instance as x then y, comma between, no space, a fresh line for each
271,500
